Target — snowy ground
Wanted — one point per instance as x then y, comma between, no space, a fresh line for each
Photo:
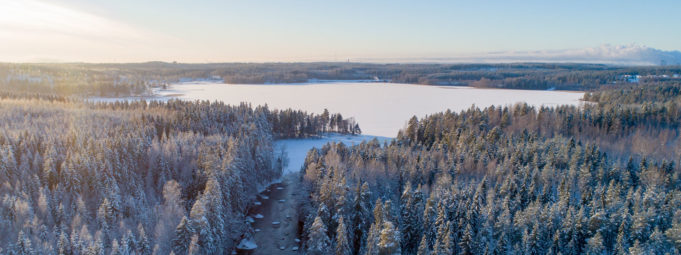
297,148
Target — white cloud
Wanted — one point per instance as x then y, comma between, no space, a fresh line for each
605,54
39,31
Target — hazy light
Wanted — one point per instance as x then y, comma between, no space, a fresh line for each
49,32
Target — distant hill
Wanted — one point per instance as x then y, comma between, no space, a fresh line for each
605,54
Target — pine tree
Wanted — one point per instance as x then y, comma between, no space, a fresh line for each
444,243
23,246
115,248
183,236
63,244
674,232
194,246
318,242
658,243
430,213
423,246
373,238
637,249
360,217
342,244
129,242
466,243
410,222
595,245
144,247
389,240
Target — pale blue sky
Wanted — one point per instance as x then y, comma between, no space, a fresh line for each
293,30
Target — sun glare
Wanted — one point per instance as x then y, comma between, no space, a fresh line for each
55,32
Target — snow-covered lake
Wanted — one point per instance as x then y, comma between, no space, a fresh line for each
381,109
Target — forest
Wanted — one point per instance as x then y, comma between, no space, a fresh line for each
112,80
177,177
598,179
138,177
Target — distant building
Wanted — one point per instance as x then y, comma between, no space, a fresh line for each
631,78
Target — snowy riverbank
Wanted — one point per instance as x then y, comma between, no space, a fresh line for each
297,148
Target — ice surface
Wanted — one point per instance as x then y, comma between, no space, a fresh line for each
380,108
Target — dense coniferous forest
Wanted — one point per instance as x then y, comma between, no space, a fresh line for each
78,177
137,177
600,179
138,79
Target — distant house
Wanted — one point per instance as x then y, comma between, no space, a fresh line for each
631,78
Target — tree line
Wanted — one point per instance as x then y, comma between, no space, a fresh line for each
111,80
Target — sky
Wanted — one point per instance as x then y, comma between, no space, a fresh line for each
201,31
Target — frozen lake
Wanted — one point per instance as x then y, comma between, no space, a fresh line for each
381,109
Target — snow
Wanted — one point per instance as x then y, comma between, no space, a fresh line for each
297,148
247,244
258,216
381,109
257,203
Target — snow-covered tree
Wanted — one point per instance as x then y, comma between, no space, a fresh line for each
318,242
342,242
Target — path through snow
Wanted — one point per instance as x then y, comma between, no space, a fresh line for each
276,218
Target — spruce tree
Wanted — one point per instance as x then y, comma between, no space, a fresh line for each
342,244
183,236
318,242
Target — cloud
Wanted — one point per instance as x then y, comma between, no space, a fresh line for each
37,31
605,54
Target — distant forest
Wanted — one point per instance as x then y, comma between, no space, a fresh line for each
135,177
137,79
599,179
